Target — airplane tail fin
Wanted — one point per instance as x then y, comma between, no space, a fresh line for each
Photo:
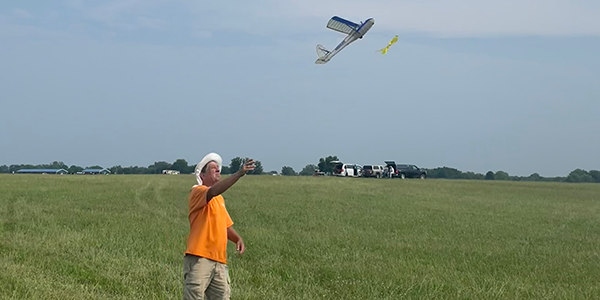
383,51
321,51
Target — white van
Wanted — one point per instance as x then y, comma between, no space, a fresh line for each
346,170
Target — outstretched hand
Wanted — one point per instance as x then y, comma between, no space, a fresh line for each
249,165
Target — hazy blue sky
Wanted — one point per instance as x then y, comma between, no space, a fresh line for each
475,85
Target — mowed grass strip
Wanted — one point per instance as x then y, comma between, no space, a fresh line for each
122,237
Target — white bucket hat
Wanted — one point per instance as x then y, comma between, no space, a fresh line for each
208,158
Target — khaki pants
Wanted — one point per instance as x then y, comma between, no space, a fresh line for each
205,279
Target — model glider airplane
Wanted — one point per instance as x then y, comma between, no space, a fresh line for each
384,50
354,32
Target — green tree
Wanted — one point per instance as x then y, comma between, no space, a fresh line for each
325,163
308,170
116,169
138,170
534,177
127,170
445,172
235,164
288,171
225,170
4,169
579,175
180,165
74,169
258,168
55,165
489,175
158,167
473,175
595,175
501,175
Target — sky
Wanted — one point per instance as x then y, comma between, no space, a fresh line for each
474,85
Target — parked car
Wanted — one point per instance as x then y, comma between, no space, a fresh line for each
372,171
406,170
318,173
342,169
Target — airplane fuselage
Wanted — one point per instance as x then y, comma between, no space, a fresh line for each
365,27
350,38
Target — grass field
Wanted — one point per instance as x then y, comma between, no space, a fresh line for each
122,237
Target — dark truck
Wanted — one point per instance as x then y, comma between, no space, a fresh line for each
405,170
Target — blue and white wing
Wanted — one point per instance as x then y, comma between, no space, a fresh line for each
342,25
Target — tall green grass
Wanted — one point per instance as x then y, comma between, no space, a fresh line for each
123,237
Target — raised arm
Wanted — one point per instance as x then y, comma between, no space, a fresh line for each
222,186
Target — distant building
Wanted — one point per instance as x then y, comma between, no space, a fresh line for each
170,172
43,171
95,172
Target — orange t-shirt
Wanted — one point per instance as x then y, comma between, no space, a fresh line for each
208,226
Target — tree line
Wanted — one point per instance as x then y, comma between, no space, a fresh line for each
323,165
577,175
180,165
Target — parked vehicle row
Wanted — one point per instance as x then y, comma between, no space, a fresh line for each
390,170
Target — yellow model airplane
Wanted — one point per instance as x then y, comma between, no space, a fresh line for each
384,50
